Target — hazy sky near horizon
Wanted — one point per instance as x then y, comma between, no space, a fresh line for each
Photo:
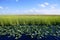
30,7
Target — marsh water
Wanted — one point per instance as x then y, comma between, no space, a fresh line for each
24,37
54,33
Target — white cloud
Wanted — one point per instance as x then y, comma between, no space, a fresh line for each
43,4
46,3
1,7
17,0
28,11
49,5
53,6
17,11
43,11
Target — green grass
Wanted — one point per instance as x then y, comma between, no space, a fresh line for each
33,25
29,20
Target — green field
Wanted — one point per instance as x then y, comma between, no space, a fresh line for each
29,20
33,25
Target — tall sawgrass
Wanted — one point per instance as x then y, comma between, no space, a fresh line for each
29,20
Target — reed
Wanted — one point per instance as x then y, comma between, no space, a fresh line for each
29,20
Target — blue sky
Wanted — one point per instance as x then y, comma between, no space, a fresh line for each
30,7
